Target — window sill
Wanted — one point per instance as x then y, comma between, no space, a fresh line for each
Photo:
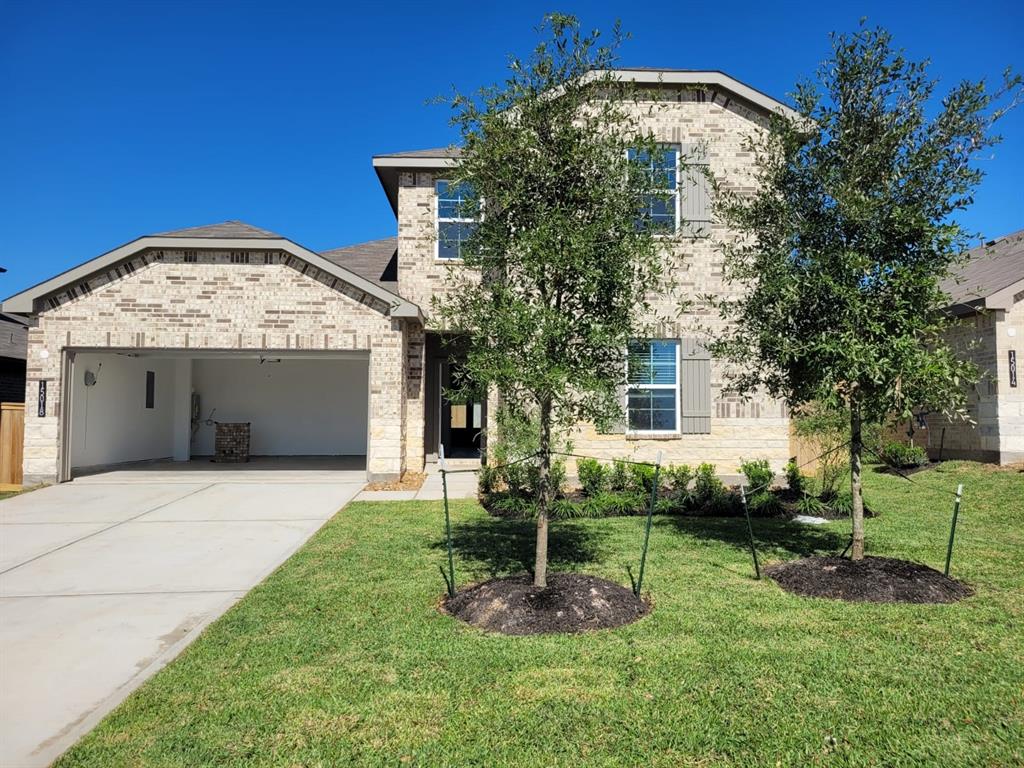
653,435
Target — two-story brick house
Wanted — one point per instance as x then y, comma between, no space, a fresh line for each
135,354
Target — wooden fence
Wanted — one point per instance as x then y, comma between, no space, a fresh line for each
12,439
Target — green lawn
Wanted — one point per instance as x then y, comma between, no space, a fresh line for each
341,658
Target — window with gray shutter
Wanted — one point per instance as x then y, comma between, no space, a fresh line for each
695,397
695,203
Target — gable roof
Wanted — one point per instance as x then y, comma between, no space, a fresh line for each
231,228
388,165
250,237
376,260
992,278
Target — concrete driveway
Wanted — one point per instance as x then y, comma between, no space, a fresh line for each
106,579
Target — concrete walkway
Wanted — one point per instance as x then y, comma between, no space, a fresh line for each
461,485
106,579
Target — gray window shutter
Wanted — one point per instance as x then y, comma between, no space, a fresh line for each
695,395
695,205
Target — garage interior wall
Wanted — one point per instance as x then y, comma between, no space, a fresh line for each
297,407
110,421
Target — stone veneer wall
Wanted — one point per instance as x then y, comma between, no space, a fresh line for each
755,429
251,300
1011,399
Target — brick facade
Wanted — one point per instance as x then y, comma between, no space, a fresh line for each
739,430
218,300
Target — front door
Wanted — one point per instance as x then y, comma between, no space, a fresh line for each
462,423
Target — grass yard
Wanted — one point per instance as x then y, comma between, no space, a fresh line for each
341,658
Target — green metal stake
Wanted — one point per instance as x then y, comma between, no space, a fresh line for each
750,531
952,528
647,528
447,522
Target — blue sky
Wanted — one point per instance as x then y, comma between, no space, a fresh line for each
122,119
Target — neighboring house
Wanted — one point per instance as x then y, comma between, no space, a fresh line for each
13,347
988,296
133,354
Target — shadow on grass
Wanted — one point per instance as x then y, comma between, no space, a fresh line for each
775,538
507,546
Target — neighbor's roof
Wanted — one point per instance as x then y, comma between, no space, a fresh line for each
226,235
388,165
376,260
993,277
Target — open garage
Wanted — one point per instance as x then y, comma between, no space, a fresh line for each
134,406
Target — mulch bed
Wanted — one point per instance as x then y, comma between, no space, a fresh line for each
872,580
572,602
410,481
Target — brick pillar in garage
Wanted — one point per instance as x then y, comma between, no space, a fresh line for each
415,413
387,405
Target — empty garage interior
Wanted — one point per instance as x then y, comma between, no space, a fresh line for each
145,406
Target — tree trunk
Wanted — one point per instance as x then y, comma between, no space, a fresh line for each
540,567
857,513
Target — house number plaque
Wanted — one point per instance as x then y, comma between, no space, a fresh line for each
1013,368
41,412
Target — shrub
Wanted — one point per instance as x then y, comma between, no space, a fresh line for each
707,488
679,478
842,504
505,505
794,479
903,456
758,473
764,503
488,479
516,478
641,478
619,479
593,476
556,477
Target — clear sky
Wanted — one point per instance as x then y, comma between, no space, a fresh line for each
123,119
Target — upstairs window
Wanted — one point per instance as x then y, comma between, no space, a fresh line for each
652,399
457,209
660,208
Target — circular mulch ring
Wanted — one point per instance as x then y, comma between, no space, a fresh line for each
872,580
572,602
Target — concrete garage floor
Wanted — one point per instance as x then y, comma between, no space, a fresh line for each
106,579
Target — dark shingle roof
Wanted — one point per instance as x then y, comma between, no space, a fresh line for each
223,229
994,266
376,260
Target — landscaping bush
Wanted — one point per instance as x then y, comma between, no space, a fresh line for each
758,473
903,456
811,506
842,504
641,478
556,478
679,478
517,481
619,480
707,488
593,476
764,504
794,479
487,479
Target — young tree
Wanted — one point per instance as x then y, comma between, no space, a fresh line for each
558,268
844,242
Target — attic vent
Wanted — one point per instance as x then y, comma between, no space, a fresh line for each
129,267
239,257
53,302
268,258
159,255
85,289
191,257
72,293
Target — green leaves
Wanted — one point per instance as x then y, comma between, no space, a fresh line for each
849,233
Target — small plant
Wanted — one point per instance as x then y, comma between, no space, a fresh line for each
488,479
842,504
759,474
811,506
764,503
619,480
904,456
516,479
593,476
556,478
514,507
707,488
679,478
794,479
641,478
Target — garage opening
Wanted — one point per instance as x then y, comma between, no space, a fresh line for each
149,406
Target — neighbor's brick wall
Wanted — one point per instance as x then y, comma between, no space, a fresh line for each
263,301
973,338
739,430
